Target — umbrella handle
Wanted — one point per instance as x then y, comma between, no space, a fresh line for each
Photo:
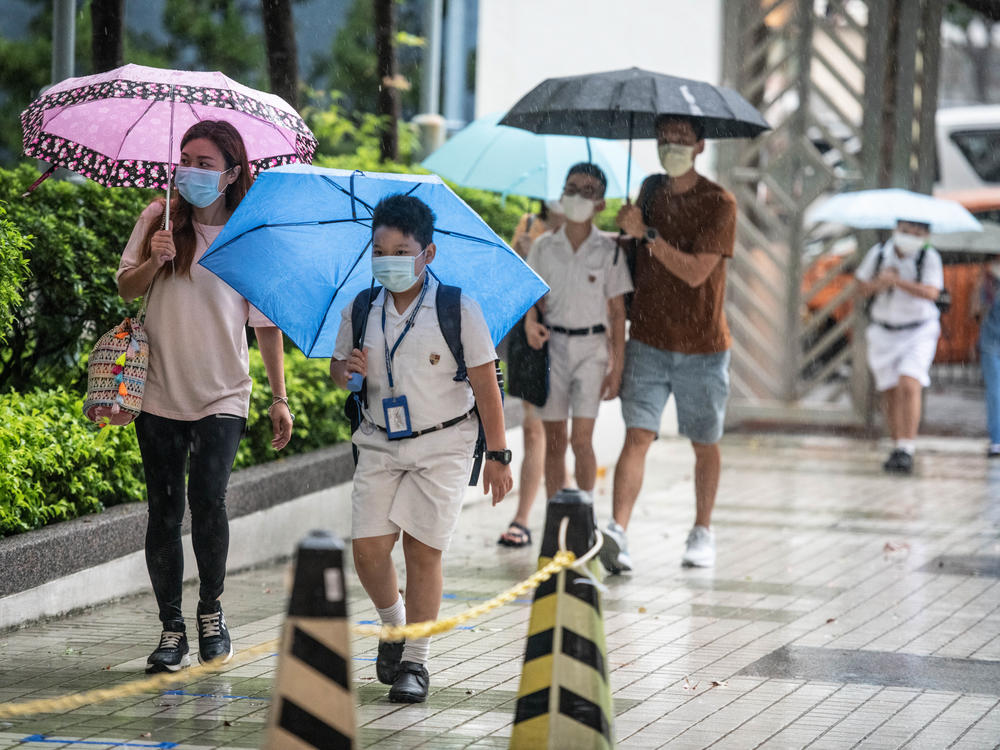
628,169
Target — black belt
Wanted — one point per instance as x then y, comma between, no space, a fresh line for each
901,326
435,428
599,328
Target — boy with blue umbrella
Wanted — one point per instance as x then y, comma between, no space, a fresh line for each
415,442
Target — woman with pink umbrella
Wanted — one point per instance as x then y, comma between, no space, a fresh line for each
197,391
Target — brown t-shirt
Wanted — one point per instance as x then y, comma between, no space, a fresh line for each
666,312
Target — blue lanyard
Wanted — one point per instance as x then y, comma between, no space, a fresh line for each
409,324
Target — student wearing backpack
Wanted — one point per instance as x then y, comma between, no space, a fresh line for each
417,432
903,278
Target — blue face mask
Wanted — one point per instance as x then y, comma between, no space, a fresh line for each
396,272
199,187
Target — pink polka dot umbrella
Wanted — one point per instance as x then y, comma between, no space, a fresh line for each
122,128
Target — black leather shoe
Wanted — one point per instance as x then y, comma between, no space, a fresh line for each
411,683
387,663
899,462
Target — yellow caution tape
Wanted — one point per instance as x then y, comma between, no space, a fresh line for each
65,703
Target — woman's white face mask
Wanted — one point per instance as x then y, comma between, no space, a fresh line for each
907,244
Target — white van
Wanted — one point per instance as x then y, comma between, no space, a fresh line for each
968,147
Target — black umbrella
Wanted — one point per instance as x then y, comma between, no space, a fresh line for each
626,103
623,103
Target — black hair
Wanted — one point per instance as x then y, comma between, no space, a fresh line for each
407,214
922,224
591,170
696,125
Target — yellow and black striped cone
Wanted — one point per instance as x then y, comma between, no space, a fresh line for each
564,699
312,705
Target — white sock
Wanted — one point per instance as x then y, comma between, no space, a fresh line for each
417,650
907,446
394,615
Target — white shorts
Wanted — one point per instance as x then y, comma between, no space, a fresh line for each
415,485
893,354
577,366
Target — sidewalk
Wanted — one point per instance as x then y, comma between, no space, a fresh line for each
847,609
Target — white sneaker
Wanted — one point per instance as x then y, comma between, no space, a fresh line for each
700,552
614,552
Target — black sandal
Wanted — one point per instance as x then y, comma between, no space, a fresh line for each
522,534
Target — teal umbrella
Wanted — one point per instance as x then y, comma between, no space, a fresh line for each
495,157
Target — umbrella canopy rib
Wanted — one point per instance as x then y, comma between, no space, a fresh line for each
336,291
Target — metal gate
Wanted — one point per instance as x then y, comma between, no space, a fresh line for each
849,87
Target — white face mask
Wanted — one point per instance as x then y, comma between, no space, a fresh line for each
676,158
907,244
577,208
397,273
995,269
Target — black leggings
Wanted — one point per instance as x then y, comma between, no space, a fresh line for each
206,449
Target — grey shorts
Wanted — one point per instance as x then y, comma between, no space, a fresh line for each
699,382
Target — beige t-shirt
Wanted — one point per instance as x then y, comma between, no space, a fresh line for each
198,358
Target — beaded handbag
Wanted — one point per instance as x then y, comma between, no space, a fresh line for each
116,372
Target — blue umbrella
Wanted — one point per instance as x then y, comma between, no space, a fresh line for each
298,247
495,157
881,209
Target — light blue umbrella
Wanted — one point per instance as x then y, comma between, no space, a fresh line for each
881,209
299,248
495,157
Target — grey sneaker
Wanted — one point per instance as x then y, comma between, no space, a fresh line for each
614,552
700,552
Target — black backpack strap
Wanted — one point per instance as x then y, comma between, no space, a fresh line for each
353,404
449,312
920,264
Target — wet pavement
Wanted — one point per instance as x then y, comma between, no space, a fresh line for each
848,608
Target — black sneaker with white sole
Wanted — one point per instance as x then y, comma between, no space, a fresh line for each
214,643
172,653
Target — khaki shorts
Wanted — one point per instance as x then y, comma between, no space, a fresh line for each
577,366
414,485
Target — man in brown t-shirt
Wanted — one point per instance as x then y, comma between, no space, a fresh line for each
679,340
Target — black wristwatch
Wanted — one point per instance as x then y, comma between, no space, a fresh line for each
651,234
504,457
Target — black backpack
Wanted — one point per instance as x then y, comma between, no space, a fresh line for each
943,301
449,313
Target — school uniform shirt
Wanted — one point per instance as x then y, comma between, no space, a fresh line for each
198,357
423,367
897,307
580,282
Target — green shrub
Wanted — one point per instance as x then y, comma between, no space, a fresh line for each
79,232
13,270
53,468
318,406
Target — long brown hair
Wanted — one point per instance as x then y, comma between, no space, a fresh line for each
228,140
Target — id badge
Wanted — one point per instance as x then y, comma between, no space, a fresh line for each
397,417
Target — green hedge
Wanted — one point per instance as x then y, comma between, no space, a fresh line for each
53,468
318,406
79,232
14,246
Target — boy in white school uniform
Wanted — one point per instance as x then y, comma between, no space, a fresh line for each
412,480
904,277
583,321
